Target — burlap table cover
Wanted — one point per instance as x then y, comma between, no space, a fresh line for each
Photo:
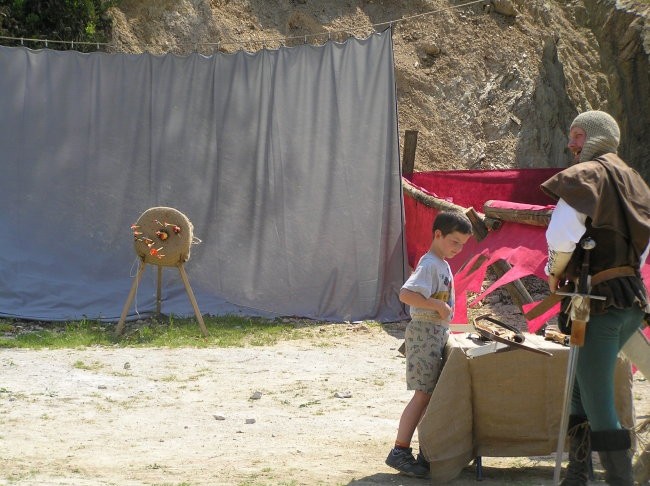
501,405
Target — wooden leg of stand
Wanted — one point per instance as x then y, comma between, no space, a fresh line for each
159,292
129,299
190,294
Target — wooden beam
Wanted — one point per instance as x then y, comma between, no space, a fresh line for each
516,289
480,223
408,156
429,200
537,217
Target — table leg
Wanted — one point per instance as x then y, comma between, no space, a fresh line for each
478,462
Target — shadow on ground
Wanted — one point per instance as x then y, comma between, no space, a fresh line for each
529,475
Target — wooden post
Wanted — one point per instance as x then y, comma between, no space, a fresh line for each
159,292
408,156
190,294
516,289
478,225
129,299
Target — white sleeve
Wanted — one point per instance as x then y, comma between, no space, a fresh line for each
420,280
644,257
565,228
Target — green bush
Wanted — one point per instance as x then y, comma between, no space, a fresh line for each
56,20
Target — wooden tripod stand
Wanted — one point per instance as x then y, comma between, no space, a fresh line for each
134,287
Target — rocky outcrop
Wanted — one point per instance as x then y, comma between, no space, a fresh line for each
596,58
623,34
543,138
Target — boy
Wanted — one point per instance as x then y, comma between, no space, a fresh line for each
429,292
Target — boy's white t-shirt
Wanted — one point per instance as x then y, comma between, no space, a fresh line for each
431,278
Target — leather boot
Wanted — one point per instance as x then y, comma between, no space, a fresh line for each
613,447
577,471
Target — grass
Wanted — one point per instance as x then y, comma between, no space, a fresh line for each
80,365
171,332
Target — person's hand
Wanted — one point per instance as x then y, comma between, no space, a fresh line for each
555,268
443,309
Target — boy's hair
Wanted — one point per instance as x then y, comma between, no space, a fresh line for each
450,221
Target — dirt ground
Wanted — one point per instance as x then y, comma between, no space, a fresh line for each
320,410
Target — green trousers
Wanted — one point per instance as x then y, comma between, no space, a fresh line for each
593,391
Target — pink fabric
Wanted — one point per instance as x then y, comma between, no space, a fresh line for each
498,204
523,246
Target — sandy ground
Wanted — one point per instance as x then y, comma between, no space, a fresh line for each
127,416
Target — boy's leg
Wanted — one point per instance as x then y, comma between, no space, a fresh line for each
410,418
401,456
424,344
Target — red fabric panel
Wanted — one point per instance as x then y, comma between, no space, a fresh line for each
523,246
469,188
473,187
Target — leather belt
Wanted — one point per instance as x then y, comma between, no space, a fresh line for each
610,273
598,278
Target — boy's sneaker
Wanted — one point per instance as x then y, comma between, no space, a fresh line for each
404,462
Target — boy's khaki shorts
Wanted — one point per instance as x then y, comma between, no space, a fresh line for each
425,343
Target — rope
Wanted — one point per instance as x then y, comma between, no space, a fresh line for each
280,40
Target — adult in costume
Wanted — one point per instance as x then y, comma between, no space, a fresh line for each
601,197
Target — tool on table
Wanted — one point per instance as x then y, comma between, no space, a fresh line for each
556,336
500,332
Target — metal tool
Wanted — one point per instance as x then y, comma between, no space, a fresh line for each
504,333
579,319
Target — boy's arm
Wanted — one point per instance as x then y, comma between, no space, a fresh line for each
416,299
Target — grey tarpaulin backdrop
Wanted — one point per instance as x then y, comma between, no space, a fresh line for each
286,161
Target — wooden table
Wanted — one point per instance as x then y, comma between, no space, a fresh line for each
504,404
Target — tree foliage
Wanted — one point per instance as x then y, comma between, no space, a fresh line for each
71,21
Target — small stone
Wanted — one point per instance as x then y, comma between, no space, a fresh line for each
493,299
343,394
250,420
101,387
219,417
256,396
430,49
127,366
504,7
